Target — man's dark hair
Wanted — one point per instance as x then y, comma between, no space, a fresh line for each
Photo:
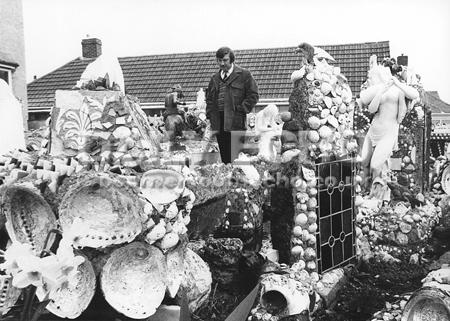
221,52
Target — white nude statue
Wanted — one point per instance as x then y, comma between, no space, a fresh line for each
385,97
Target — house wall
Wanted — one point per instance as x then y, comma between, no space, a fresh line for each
12,48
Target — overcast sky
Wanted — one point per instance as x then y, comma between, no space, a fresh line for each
418,28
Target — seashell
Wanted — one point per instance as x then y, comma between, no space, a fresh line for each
313,136
324,113
162,186
297,231
157,232
299,265
121,132
197,280
297,250
328,102
351,107
298,74
175,270
134,279
305,235
169,241
325,88
300,185
402,238
342,108
310,254
333,80
29,217
359,200
172,211
337,101
416,217
108,208
289,155
314,122
310,76
333,121
407,218
333,110
312,217
325,132
405,227
9,294
301,219
302,197
312,228
312,191
317,74
312,240
71,300
326,78
348,133
311,203
311,265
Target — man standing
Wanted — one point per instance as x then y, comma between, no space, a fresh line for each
232,94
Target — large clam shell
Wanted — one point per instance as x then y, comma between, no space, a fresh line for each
134,278
107,207
71,301
29,217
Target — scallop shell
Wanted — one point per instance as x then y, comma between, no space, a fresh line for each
134,280
328,102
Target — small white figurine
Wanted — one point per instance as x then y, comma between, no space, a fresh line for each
268,126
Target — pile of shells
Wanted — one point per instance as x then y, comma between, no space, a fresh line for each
394,229
303,251
330,110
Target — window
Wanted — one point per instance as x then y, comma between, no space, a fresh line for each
5,74
6,70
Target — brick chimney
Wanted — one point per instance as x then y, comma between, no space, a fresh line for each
92,47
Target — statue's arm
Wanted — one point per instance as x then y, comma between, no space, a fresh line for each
367,95
401,107
409,92
375,103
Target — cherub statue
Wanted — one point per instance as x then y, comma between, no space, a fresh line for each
269,127
385,97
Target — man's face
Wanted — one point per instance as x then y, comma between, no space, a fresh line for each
224,63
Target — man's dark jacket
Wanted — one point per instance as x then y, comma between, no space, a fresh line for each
241,95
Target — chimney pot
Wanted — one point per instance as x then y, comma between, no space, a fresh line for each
91,47
402,60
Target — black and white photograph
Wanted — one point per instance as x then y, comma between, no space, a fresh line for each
205,160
